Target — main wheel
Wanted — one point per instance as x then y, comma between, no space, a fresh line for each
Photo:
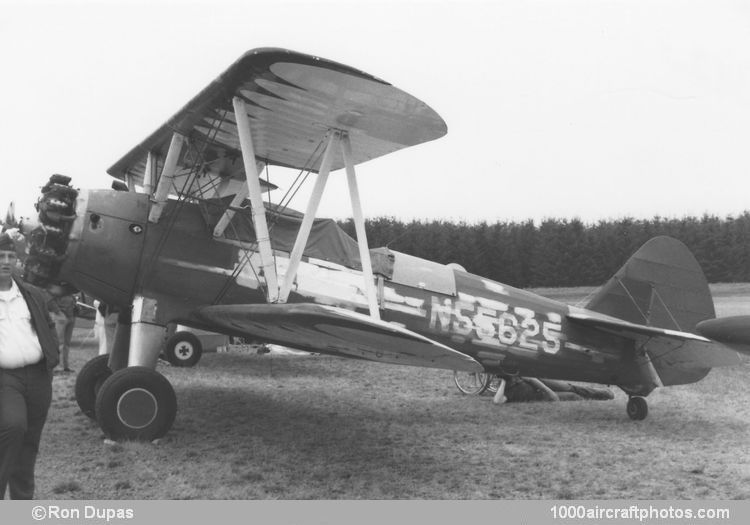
136,403
472,383
89,381
183,349
637,408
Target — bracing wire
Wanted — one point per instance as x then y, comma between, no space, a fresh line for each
182,195
635,303
303,174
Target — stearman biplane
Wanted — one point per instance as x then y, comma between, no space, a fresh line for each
194,242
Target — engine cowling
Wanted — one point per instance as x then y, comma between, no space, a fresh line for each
92,239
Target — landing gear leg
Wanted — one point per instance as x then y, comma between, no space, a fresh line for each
118,359
499,397
637,408
137,402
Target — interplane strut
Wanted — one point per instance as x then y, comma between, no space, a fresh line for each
167,176
268,268
279,292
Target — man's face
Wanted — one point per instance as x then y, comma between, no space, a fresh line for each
7,263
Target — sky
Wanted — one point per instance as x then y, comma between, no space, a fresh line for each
588,109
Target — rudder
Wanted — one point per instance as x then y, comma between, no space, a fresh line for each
661,285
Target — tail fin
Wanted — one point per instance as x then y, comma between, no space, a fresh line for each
661,285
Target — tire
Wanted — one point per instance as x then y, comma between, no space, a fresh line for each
637,408
472,383
89,381
183,349
136,403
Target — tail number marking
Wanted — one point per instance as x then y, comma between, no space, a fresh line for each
520,327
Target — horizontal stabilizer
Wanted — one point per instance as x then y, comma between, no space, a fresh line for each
630,330
335,331
656,299
678,357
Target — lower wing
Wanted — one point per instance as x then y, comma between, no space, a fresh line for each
331,330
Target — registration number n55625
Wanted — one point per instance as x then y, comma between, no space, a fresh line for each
498,324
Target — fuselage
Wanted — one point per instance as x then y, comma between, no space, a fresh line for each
114,253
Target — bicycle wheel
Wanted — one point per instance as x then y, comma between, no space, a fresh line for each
472,383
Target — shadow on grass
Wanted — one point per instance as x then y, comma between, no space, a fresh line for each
270,427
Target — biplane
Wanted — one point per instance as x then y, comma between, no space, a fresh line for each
186,236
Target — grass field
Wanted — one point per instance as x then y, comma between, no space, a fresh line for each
291,427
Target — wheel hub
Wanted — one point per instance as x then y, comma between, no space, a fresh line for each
184,351
137,408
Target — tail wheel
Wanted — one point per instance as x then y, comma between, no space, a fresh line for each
637,408
89,381
183,349
472,383
136,403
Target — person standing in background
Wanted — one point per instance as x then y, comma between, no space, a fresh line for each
66,300
104,326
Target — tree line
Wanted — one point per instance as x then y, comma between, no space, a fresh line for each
562,252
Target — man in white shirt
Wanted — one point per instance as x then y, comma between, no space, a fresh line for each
28,353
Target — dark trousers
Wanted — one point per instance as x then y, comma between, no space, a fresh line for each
25,396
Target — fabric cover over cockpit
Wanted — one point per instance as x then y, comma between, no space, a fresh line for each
327,240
